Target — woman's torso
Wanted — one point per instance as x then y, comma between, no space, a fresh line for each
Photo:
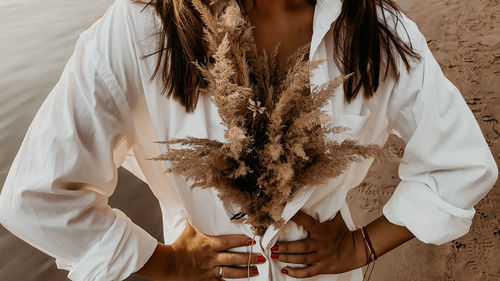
156,117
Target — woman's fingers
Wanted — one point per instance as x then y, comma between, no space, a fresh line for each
235,272
296,247
297,258
308,271
227,258
225,242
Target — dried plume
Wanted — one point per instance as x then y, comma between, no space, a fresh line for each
278,139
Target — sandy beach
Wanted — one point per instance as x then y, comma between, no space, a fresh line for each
464,36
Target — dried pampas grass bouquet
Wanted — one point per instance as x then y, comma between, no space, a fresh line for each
277,133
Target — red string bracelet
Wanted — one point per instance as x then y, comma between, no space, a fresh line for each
367,250
368,246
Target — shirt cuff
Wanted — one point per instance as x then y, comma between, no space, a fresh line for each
431,219
123,249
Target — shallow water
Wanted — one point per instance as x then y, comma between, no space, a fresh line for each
36,39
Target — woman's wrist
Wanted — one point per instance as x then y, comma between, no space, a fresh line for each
361,254
381,236
370,252
385,236
157,267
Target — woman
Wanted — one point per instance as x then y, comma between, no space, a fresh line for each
105,112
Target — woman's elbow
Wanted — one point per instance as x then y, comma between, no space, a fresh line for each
487,177
8,208
491,173
17,209
486,173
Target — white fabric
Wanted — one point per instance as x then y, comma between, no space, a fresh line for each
105,112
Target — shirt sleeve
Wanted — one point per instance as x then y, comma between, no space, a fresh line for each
449,164
55,196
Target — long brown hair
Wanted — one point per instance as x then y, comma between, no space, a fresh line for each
364,42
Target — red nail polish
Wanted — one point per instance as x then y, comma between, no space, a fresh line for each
251,241
255,271
275,256
284,271
275,248
261,259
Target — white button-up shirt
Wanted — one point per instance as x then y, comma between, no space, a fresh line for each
105,112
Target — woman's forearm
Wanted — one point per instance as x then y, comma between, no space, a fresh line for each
386,236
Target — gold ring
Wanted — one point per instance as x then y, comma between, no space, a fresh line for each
220,270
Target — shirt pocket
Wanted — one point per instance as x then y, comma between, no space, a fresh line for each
356,124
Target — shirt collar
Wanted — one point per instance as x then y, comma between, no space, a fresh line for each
325,13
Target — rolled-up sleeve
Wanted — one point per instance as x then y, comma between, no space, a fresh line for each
449,166
55,196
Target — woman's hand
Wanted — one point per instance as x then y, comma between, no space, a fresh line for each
196,256
329,248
